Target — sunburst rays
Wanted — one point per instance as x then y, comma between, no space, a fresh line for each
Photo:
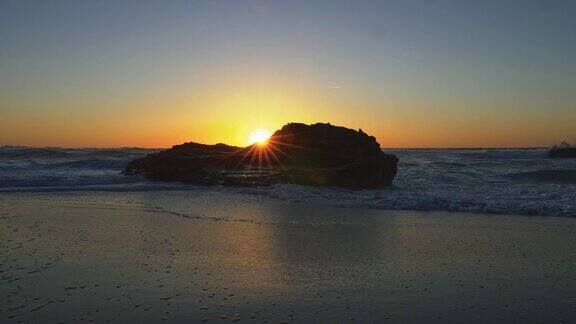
274,152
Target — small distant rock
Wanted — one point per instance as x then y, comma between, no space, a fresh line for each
564,150
318,155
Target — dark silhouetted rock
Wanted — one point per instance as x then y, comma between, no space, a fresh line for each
318,155
564,150
563,153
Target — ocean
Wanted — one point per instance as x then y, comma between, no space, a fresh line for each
486,181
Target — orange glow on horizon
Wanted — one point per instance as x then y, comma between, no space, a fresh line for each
232,116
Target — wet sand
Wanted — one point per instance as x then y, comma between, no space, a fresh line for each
276,261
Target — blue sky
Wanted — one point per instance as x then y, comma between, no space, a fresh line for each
414,73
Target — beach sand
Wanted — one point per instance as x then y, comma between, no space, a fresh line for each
82,257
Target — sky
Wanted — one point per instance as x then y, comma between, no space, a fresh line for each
413,73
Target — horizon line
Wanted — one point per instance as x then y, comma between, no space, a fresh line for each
381,147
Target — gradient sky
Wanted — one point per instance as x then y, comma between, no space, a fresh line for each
428,73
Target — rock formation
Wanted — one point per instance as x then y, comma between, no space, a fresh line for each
318,155
564,150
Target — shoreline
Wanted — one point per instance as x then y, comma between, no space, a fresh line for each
187,189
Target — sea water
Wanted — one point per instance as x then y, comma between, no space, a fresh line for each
491,181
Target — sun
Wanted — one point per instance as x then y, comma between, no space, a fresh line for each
258,136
